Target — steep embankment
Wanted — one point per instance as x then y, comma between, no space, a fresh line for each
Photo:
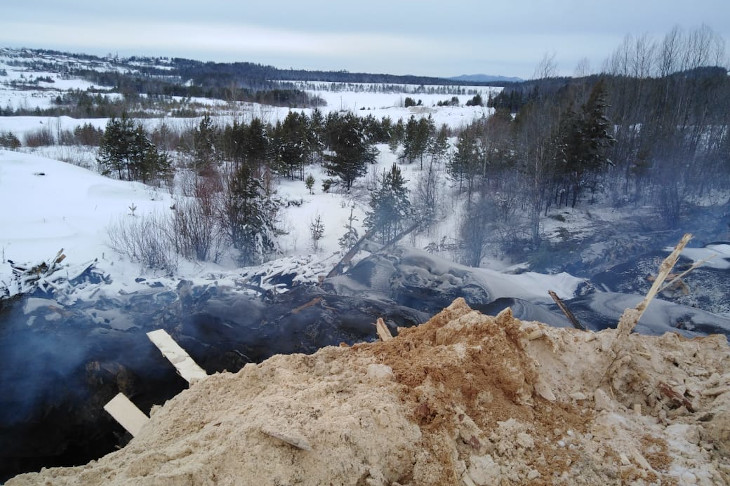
463,399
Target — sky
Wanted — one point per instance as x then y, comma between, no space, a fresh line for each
421,37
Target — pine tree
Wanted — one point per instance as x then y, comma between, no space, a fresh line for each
464,163
316,231
389,206
417,139
249,216
583,141
204,146
125,149
292,145
351,151
309,183
351,235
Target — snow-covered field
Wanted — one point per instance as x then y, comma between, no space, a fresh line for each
48,205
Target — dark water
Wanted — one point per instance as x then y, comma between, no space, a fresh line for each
60,364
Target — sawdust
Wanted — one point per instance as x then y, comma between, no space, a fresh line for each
463,399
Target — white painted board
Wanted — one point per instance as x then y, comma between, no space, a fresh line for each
126,413
186,367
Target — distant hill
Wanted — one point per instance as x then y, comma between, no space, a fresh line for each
485,78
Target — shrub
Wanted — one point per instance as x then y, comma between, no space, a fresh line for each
88,134
42,137
196,230
145,239
9,140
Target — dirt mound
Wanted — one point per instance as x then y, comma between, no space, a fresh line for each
463,399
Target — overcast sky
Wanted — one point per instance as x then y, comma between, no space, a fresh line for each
425,37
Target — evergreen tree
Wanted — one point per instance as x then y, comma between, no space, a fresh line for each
234,142
292,144
315,136
126,150
417,138
583,141
249,216
464,164
309,183
204,146
316,231
258,144
397,135
351,236
389,206
351,151
440,145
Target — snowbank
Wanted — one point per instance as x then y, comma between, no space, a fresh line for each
463,399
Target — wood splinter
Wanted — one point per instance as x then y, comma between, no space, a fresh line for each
290,437
383,331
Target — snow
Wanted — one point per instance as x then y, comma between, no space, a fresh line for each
70,207
715,255
22,125
49,205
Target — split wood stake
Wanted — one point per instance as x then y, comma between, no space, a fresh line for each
679,277
383,331
631,317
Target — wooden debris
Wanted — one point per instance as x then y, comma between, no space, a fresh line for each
571,317
292,438
675,396
713,392
677,279
340,266
183,363
383,331
630,317
126,413
311,303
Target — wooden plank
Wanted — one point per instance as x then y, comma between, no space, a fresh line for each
183,363
127,414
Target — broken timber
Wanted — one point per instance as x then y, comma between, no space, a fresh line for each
382,330
339,268
571,317
183,363
126,413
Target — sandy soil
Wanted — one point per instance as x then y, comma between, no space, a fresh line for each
462,399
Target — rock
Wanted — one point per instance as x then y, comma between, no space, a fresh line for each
380,372
483,470
602,401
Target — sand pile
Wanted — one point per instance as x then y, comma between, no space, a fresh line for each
463,399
